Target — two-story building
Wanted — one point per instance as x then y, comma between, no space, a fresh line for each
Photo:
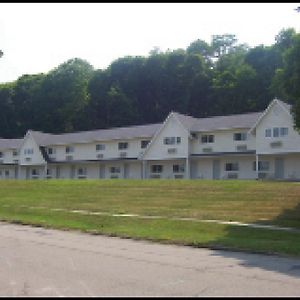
245,146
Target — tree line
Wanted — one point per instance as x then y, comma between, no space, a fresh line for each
206,79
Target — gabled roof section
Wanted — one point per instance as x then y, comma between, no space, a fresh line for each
183,120
10,143
286,107
119,133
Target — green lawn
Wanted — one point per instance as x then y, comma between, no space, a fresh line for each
276,203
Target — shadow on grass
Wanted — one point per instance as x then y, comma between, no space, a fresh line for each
258,242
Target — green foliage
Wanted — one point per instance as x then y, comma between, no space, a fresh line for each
205,79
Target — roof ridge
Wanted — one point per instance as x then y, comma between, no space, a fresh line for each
94,130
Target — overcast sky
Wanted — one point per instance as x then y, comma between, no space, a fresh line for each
38,37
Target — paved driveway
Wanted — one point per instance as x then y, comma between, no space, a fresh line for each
43,262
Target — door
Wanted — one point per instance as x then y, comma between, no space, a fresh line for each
194,169
102,171
57,175
216,169
72,175
16,172
126,170
279,168
27,173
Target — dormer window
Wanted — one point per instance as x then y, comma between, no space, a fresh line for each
172,140
28,151
277,132
268,132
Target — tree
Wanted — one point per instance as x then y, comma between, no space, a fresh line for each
65,97
290,77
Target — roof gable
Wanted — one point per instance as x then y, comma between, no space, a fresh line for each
286,107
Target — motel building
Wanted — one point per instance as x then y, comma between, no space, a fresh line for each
244,146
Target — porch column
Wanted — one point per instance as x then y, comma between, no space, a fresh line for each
187,168
256,164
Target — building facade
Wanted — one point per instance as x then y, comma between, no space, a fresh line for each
245,146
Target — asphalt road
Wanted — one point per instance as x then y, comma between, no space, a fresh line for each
43,262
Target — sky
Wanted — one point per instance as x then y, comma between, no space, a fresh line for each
38,37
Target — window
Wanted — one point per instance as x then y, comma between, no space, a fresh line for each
81,171
15,153
172,140
6,173
100,147
156,168
114,169
207,138
178,168
275,132
51,151
232,166
284,131
262,166
144,144
123,145
34,172
1,154
69,149
240,136
28,151
268,132
48,172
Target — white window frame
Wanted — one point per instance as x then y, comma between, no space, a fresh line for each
234,166
157,168
100,147
207,138
70,149
240,136
123,145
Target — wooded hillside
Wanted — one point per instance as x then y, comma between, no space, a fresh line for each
220,78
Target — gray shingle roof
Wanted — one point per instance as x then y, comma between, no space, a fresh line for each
226,122
10,143
147,131
219,122
140,131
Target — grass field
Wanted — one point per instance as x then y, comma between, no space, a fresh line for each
277,203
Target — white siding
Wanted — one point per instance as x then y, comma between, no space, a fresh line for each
36,158
158,150
223,141
277,117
